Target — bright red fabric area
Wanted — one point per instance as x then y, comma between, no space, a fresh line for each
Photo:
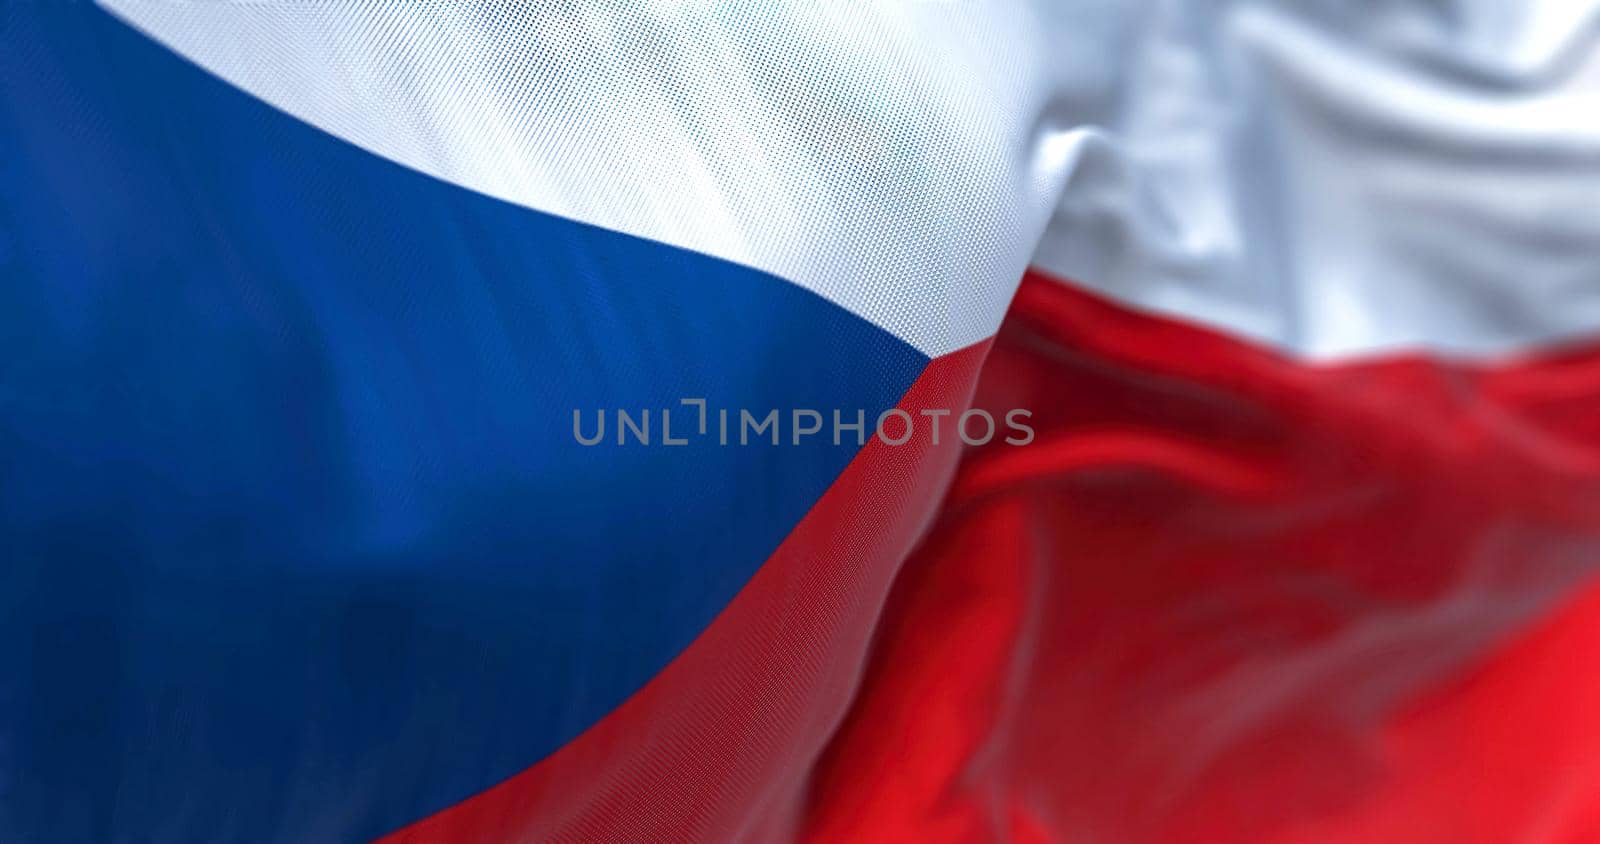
1227,596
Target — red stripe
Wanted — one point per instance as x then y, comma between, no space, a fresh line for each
1225,596
718,744
1228,596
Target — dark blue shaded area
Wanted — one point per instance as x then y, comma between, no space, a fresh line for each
295,541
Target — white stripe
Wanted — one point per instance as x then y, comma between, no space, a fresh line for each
884,155
1341,179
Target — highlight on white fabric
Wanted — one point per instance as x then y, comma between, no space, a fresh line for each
1342,179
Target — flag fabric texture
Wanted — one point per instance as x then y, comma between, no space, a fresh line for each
309,310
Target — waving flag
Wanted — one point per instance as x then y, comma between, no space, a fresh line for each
465,421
